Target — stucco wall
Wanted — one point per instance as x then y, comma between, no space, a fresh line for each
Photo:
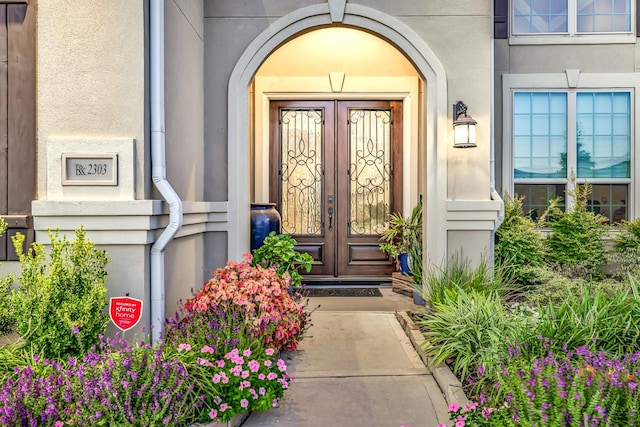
184,97
91,76
458,33
184,141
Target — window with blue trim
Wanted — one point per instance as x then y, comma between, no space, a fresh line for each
582,133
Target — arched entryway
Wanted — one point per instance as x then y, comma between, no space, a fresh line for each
432,116
336,118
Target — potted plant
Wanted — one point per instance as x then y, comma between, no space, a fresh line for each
278,251
400,234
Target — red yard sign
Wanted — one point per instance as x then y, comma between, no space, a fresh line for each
125,312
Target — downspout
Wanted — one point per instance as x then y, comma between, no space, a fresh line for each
159,167
492,161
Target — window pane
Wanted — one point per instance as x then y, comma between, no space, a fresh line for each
603,16
610,201
558,7
604,149
540,129
522,125
369,170
540,16
585,7
603,7
621,6
602,24
522,7
537,196
602,124
302,161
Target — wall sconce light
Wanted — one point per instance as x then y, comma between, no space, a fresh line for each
464,127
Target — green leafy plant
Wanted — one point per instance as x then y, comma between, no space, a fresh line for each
519,245
577,235
628,237
415,263
458,273
595,317
61,298
7,314
554,290
470,327
278,251
402,232
625,255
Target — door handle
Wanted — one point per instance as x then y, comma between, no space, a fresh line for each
330,219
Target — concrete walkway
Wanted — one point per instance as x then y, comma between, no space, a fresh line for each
357,368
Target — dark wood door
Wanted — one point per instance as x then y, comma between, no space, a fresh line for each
335,176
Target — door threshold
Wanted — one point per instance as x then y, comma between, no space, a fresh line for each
347,281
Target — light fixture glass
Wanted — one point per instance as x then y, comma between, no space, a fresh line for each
464,127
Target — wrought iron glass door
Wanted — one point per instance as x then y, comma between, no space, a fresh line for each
335,177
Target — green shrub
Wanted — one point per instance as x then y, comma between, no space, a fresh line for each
625,256
61,298
624,263
519,246
576,238
629,236
554,290
278,251
7,314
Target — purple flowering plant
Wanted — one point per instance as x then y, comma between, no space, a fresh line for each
241,380
564,388
220,328
119,385
214,361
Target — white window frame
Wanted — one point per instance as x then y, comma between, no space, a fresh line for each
572,36
560,82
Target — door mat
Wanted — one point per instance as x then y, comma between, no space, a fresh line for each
344,292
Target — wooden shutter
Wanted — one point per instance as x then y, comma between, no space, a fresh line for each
501,19
637,18
17,122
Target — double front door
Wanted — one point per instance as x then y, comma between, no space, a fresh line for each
336,174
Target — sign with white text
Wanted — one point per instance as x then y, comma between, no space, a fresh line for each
125,312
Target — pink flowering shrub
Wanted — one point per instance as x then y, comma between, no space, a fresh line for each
241,381
271,312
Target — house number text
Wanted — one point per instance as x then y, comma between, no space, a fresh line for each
89,170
